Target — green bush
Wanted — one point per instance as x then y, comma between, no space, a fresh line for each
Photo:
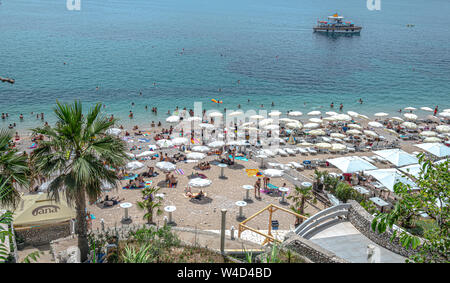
344,192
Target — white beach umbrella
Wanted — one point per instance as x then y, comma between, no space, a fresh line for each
235,113
247,124
432,139
206,126
446,110
338,146
397,157
305,144
311,126
397,119
314,113
381,114
410,108
113,131
200,148
318,132
330,118
134,165
331,113
265,122
337,135
342,117
437,149
146,153
354,126
428,134
166,166
216,144
443,129
391,131
409,125
164,143
389,177
426,109
295,113
199,183
287,120
353,132
271,127
130,155
294,125
215,114
324,145
353,114
152,147
370,133
275,113
195,155
180,141
410,116
256,117
445,114
316,120
273,173
351,164
194,119
172,119
363,116
375,124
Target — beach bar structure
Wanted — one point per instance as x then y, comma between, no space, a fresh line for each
271,209
38,219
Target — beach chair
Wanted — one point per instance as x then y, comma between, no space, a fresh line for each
282,152
289,151
302,151
297,166
312,151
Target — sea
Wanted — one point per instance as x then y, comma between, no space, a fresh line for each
248,52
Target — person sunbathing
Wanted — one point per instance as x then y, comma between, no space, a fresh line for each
172,181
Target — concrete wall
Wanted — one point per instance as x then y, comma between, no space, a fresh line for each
361,220
310,250
44,234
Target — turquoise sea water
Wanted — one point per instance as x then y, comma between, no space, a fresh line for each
125,46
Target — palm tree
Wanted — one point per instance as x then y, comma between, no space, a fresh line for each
75,154
299,198
150,202
13,171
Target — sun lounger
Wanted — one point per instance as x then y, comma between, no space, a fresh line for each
297,166
289,151
310,150
282,152
302,151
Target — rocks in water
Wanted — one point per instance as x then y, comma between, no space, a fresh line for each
7,80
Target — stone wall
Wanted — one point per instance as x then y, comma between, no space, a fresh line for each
44,234
361,220
310,250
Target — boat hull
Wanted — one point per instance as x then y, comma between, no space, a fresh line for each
344,30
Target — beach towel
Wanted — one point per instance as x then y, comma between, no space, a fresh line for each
34,145
252,172
239,158
143,140
130,177
272,186
133,188
179,171
92,216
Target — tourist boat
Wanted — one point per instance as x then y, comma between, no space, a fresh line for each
336,25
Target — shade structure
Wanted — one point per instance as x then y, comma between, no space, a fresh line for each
437,149
351,164
353,132
354,126
338,147
391,131
409,108
267,152
294,125
271,127
113,131
180,141
314,113
166,166
398,119
200,148
389,177
216,144
375,124
426,109
397,157
35,210
195,155
164,143
337,135
317,132
330,118
173,119
295,113
305,144
287,120
256,117
432,140
410,116
273,173
444,114
428,134
311,126
443,129
134,165
152,147
316,120
275,113
363,116
206,126
409,125
146,153
353,114
413,170
342,117
215,114
331,113
265,122
370,133
235,113
381,114
194,119
199,183
324,145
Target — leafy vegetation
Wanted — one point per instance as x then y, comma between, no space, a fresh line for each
150,202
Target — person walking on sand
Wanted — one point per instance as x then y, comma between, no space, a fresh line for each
258,187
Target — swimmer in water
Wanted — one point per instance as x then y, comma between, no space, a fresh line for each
140,93
273,104
341,106
332,105
360,101
248,100
96,88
